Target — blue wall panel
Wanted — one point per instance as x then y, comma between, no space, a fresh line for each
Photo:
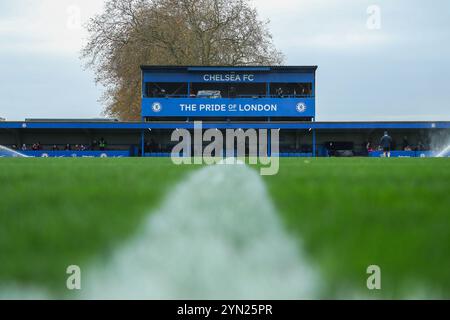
6,125
405,154
240,77
247,107
76,154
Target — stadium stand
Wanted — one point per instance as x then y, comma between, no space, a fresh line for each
222,97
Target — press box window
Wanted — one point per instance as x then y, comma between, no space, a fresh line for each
165,89
231,90
286,90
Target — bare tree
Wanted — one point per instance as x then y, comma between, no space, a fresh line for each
130,33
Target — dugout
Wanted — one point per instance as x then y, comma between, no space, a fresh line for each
300,139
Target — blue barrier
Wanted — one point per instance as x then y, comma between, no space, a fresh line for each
283,155
404,154
157,154
121,154
294,155
76,154
226,107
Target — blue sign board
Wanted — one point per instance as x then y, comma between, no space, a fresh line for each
278,91
242,107
228,77
405,154
76,154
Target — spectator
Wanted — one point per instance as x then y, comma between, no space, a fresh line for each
420,146
67,147
233,92
304,91
386,143
405,144
82,147
24,147
147,147
94,145
14,147
279,92
55,148
331,149
153,145
102,144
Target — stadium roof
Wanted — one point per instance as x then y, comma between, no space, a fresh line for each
230,68
226,125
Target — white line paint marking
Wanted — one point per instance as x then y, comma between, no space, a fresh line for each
216,236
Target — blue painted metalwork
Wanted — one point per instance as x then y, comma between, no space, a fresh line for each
142,142
76,154
242,107
314,142
225,125
405,154
231,69
288,104
214,77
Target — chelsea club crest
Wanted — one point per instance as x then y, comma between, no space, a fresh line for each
156,107
301,107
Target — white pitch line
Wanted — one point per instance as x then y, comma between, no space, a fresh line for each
216,236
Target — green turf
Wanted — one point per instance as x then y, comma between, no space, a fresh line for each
58,212
352,213
348,213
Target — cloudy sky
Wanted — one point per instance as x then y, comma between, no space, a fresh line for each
378,60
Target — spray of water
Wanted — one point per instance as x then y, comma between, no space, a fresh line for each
439,141
216,236
8,153
444,153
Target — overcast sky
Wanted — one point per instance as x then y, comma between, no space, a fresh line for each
378,60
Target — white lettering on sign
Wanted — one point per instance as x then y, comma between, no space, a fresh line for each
213,107
206,107
229,77
258,107
188,107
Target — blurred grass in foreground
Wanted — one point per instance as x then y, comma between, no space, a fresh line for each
348,213
352,213
58,212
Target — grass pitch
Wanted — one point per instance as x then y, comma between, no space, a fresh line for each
352,213
347,213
